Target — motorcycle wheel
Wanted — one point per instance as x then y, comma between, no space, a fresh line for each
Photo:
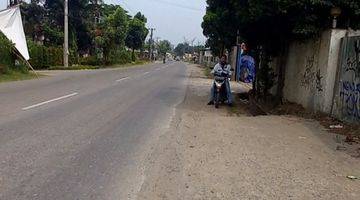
217,99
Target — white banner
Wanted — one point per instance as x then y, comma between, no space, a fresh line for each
11,26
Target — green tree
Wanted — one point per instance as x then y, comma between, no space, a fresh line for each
136,35
183,48
34,15
218,25
79,30
141,17
113,33
6,57
273,24
163,47
94,27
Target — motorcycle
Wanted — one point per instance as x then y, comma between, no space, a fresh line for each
220,88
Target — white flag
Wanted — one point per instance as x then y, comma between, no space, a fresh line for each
11,26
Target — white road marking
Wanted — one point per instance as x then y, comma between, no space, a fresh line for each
122,79
49,101
157,69
146,73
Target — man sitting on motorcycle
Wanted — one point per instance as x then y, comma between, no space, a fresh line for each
224,69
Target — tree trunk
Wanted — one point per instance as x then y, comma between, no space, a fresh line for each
281,72
133,55
257,68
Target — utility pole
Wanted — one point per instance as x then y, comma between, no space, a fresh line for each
66,34
151,43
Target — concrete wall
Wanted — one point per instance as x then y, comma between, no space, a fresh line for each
311,71
347,89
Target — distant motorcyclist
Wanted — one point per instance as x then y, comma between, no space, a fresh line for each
222,69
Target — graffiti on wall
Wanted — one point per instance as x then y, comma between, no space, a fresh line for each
319,86
350,94
309,74
350,84
353,62
311,78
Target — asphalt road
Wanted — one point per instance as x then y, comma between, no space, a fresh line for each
86,134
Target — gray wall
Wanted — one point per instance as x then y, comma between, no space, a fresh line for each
311,77
347,89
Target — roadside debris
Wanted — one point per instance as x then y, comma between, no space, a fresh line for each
352,177
338,126
340,148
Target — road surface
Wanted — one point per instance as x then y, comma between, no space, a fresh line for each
85,134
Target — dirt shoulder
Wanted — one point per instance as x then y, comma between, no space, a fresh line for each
214,154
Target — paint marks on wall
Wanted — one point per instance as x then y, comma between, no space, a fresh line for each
349,87
311,78
308,76
319,86
350,94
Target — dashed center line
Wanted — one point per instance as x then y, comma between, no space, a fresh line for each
146,73
49,101
122,79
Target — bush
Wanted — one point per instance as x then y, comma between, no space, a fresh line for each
42,57
7,59
90,60
119,57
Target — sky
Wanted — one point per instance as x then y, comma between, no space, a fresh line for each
173,20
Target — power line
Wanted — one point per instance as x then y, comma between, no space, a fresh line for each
178,5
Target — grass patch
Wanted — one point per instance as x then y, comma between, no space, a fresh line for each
207,72
16,76
91,67
139,62
75,67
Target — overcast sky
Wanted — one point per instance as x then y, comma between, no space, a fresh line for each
173,20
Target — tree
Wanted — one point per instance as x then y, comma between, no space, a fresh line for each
218,25
273,24
54,22
140,17
183,48
34,15
163,47
136,35
95,28
79,28
114,31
